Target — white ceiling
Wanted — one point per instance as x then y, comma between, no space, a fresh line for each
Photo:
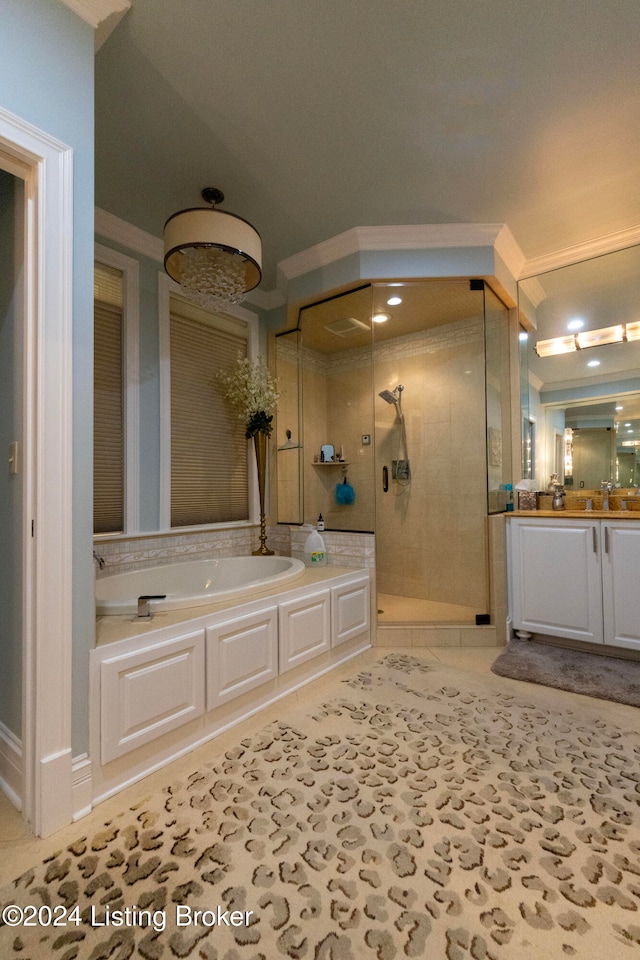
316,116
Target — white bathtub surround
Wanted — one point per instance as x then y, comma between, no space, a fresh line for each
193,583
160,688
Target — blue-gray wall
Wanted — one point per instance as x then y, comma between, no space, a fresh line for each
46,78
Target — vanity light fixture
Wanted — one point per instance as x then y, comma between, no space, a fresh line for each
216,257
620,333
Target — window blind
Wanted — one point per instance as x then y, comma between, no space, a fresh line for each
209,470
108,423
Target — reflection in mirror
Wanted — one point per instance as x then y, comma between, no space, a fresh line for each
586,402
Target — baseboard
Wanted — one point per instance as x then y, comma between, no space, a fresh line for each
81,786
11,774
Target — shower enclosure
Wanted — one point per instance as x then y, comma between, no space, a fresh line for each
408,385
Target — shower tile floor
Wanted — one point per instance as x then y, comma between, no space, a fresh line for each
395,609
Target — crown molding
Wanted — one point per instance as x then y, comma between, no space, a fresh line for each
266,299
508,249
94,12
398,237
133,238
588,250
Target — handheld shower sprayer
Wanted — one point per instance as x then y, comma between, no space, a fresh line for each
395,397
400,466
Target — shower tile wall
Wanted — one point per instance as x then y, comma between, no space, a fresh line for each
337,410
284,462
432,535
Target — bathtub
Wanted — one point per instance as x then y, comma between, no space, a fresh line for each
193,583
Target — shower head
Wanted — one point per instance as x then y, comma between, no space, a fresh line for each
392,396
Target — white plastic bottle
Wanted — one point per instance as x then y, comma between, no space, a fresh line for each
315,552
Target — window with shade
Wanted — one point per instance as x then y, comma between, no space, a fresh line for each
209,457
108,443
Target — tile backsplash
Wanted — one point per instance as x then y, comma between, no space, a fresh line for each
133,553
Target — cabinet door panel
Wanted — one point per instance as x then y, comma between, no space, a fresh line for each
350,610
242,653
621,585
305,629
556,581
146,693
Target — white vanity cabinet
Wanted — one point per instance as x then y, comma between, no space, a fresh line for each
555,576
621,583
576,579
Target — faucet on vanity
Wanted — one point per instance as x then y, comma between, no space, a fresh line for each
99,560
607,487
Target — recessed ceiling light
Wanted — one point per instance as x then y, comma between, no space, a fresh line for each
629,431
619,408
380,318
523,336
593,363
394,301
628,424
576,324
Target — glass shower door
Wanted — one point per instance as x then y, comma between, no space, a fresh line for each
431,452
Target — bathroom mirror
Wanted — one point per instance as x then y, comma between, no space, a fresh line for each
585,403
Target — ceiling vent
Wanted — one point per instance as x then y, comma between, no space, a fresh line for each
343,328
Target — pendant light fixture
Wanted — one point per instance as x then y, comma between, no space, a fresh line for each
216,257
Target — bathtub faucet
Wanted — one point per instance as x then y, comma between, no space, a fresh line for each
144,610
99,560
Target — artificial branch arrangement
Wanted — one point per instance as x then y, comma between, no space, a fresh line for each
252,391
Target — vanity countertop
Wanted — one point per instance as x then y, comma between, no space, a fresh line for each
578,514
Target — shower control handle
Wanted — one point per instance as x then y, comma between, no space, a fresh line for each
385,479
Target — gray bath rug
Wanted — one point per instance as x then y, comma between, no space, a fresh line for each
607,678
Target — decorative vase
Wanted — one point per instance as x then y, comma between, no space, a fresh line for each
260,443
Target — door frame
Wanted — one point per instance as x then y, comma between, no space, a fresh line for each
46,166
